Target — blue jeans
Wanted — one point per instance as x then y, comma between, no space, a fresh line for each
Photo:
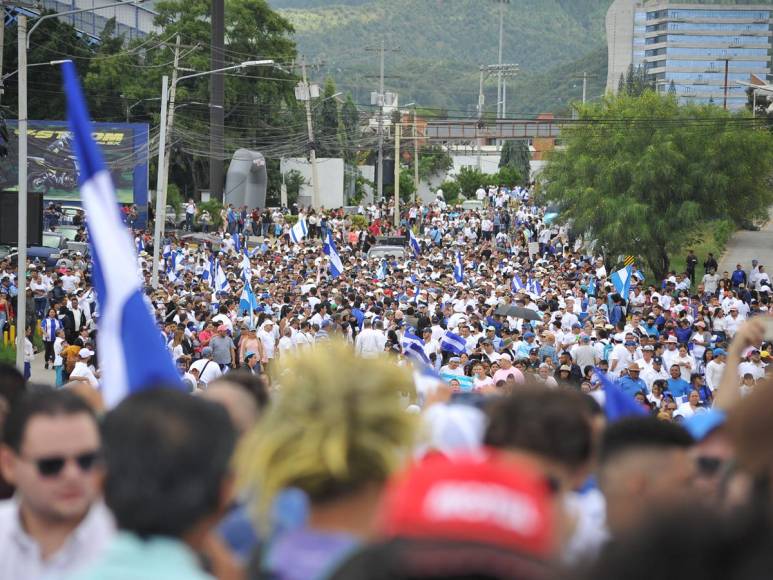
189,221
27,371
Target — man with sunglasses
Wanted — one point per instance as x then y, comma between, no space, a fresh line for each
55,524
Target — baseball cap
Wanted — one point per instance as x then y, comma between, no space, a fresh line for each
657,359
85,353
649,347
222,328
719,352
477,498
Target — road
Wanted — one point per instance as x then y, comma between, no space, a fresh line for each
745,246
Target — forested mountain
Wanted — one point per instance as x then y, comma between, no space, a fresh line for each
441,43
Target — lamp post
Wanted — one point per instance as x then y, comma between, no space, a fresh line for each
167,110
21,277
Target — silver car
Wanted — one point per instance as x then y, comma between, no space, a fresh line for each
380,252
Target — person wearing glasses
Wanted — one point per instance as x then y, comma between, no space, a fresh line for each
56,523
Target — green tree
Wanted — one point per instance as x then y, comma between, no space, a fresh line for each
326,126
635,82
407,187
433,160
471,178
648,173
516,155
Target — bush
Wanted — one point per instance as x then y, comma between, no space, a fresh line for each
359,221
174,197
291,219
213,207
451,190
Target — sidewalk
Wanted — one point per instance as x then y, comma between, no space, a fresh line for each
746,246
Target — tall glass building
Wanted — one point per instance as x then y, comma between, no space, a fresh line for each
692,49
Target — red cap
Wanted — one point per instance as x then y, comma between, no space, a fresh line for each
482,499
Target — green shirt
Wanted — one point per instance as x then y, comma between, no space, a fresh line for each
129,557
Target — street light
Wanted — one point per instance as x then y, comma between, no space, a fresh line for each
21,276
168,108
29,66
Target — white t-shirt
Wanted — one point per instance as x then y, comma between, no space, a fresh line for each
207,372
83,370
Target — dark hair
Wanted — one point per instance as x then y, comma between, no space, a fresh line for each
641,433
554,424
251,384
41,402
166,455
711,546
11,384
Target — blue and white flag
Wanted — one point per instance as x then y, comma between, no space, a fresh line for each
534,287
453,343
517,284
299,231
247,301
427,381
414,244
246,266
178,260
622,281
221,281
329,247
140,244
458,268
592,286
413,347
132,354
382,273
170,275
238,242
167,251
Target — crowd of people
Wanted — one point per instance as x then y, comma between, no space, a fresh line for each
451,409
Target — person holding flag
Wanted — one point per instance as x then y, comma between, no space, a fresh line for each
459,268
414,243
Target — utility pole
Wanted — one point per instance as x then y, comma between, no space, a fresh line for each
397,172
158,226
380,187
500,98
727,68
503,71
2,41
305,94
21,277
415,157
217,99
170,123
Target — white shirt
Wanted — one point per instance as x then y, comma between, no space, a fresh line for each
756,370
267,338
713,373
20,554
370,343
83,370
207,372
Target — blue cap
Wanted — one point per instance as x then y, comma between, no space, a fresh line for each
719,352
528,335
701,426
576,325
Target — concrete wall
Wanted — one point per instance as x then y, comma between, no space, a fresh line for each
489,163
331,179
369,173
619,25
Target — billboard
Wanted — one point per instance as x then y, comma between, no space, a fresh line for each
52,168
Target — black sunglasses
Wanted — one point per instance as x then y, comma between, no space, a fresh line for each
52,466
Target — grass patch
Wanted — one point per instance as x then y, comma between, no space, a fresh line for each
711,237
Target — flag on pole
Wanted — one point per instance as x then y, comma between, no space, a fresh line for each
221,281
237,242
329,247
247,301
459,268
132,354
622,281
246,266
299,231
413,347
453,343
414,244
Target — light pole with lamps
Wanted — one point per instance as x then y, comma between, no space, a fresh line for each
167,110
21,276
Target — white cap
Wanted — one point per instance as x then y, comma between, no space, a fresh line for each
85,353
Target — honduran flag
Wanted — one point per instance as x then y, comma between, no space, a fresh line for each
132,354
299,230
336,265
414,243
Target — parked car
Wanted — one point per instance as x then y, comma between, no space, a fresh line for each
473,204
48,252
380,252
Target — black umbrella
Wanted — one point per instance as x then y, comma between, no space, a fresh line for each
518,312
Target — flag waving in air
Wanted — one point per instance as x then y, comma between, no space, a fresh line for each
329,247
622,281
458,268
414,244
299,231
132,353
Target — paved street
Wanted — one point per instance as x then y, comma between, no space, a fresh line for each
745,246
